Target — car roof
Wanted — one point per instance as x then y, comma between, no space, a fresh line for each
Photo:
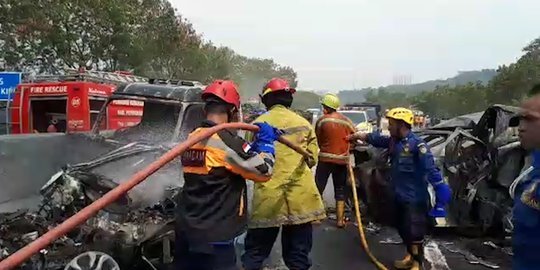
173,92
351,111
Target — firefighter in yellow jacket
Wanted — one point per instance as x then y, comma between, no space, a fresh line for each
290,199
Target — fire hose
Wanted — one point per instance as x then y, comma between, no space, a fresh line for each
92,209
363,239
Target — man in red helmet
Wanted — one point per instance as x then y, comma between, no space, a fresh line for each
212,204
290,200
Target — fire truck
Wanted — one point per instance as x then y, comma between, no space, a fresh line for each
72,102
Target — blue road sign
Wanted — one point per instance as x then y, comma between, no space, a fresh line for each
8,83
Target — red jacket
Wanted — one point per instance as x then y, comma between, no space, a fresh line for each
332,131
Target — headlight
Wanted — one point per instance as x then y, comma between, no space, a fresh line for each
362,127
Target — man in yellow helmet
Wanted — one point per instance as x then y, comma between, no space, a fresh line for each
411,163
332,130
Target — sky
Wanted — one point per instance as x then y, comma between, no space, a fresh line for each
350,44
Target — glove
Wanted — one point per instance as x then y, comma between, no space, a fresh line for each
265,138
310,162
443,194
437,212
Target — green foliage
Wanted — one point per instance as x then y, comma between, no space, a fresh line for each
446,101
144,36
463,77
387,98
304,100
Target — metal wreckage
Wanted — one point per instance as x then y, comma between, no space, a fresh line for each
479,155
135,232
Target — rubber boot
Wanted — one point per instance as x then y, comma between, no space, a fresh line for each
340,214
406,263
417,257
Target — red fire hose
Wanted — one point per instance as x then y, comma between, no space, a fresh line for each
69,224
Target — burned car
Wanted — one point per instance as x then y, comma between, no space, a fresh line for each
479,155
135,232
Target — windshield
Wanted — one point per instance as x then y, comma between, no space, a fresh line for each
356,117
136,120
372,114
154,188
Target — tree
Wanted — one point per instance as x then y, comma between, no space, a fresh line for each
304,100
144,36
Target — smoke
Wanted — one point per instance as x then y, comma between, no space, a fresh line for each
155,188
157,128
251,86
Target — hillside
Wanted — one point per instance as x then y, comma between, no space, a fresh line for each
463,77
304,100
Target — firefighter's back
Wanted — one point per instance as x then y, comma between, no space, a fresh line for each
291,196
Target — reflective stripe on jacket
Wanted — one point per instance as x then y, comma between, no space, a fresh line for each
291,196
212,204
411,163
332,131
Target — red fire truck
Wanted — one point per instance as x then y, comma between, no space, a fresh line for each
72,102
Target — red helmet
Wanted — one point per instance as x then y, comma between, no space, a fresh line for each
277,84
224,90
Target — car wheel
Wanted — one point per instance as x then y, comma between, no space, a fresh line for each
92,260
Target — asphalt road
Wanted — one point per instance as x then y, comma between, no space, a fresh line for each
341,249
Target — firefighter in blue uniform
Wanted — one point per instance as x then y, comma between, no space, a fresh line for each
526,212
411,163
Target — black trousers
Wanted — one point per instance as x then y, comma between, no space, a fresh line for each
296,242
191,255
411,223
339,177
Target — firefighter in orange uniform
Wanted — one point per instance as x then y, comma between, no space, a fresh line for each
212,204
332,130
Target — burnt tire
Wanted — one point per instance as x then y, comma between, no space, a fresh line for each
92,260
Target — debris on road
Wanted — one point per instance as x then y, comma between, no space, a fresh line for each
471,258
435,257
479,155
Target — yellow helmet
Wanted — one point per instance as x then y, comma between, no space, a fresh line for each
403,114
330,101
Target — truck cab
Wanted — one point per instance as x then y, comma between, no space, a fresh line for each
167,111
71,102
371,112
359,119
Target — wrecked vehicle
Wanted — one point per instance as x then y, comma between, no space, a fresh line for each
141,222
118,237
479,155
